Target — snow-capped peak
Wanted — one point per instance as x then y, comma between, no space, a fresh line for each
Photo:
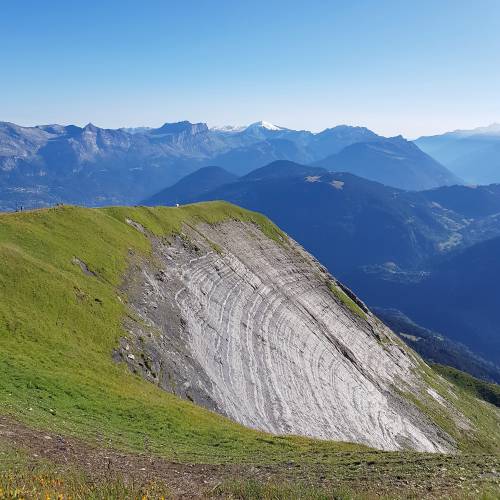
263,124
228,129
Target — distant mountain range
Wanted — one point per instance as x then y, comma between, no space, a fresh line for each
47,164
383,242
193,186
394,162
473,155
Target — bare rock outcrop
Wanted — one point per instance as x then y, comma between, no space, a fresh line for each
258,330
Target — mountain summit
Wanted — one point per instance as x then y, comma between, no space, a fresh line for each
265,125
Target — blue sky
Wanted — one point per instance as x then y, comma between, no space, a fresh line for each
395,66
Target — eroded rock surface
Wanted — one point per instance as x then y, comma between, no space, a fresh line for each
250,328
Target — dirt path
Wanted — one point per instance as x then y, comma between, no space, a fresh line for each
394,475
184,480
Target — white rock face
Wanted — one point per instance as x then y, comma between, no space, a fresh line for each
253,331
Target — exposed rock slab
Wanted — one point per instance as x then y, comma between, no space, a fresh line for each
250,328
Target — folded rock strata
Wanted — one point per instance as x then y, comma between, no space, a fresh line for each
251,328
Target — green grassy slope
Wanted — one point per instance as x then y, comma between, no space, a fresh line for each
58,328
473,423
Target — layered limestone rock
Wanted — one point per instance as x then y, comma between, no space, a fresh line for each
257,330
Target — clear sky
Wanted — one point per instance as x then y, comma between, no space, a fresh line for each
396,66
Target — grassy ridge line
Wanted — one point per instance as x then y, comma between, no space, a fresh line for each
478,388
163,221
58,327
346,300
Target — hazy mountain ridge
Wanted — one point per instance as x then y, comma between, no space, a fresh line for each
193,185
474,154
393,161
93,166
